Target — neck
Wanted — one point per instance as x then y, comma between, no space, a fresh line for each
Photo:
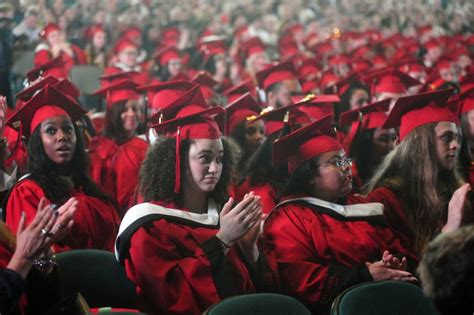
195,201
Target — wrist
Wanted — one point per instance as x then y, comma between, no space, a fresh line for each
20,265
223,241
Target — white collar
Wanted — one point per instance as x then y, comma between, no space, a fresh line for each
356,210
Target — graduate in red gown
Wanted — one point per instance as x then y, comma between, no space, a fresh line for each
188,246
419,181
366,142
57,167
324,240
119,152
55,45
260,176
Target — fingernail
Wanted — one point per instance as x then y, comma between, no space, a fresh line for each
54,206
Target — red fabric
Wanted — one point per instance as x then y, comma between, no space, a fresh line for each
173,273
122,173
266,191
309,245
79,58
394,212
44,113
95,222
101,150
310,149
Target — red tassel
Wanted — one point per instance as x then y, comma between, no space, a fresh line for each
177,166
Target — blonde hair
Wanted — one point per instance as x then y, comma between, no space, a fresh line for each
7,238
412,170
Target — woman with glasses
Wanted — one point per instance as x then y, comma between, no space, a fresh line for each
367,142
168,63
419,181
323,239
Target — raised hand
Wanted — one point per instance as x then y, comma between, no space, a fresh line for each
237,221
379,271
456,207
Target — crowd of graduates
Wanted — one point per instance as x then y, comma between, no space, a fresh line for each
296,147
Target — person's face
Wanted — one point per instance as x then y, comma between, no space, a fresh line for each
384,141
259,61
284,93
54,38
99,40
333,179
446,74
254,135
448,142
59,139
359,98
131,116
205,164
174,66
128,56
31,21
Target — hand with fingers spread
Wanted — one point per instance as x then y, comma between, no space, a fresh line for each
392,262
379,271
456,208
237,221
65,220
33,240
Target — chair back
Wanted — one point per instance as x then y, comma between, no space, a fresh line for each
86,78
384,297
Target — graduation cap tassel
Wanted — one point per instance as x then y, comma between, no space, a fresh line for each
178,162
18,143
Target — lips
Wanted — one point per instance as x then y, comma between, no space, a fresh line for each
64,148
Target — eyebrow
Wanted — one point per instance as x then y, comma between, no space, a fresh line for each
210,151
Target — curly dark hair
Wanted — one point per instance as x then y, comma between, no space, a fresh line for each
46,173
300,181
157,174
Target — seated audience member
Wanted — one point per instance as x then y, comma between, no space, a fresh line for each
447,271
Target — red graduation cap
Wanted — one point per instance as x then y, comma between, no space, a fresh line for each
180,76
123,44
309,69
192,99
212,45
237,91
240,110
165,54
467,100
328,79
170,36
165,93
309,86
90,31
413,111
52,67
68,88
50,27
191,122
276,119
364,118
47,103
206,82
305,143
341,86
119,91
131,33
390,81
252,46
316,106
27,93
276,73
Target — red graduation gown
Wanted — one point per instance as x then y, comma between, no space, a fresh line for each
44,55
394,211
101,150
319,252
266,191
123,170
179,267
95,221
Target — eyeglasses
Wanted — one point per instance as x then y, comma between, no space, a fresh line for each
340,163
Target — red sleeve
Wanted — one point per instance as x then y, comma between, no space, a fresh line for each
168,280
24,197
42,56
304,270
80,55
